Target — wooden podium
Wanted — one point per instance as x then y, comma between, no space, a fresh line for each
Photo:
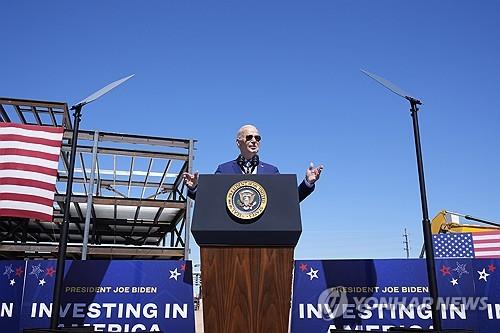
246,264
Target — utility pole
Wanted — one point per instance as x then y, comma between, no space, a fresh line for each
406,242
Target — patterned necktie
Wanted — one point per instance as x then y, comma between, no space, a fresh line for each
248,167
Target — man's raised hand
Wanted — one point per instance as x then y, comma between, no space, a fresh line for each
313,173
191,180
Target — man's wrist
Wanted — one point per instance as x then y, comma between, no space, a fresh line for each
308,184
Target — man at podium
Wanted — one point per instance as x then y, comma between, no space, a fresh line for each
248,142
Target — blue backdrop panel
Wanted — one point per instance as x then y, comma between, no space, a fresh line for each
357,294
11,291
112,295
485,273
456,291
378,294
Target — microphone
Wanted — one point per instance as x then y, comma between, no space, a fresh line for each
247,166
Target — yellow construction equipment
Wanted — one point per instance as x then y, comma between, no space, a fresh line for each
446,221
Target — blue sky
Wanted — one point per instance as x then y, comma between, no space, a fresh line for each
204,68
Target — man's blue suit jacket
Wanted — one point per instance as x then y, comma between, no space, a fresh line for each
232,168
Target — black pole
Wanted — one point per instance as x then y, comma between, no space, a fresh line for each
63,236
468,217
426,223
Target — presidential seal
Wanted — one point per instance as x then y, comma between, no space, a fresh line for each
246,200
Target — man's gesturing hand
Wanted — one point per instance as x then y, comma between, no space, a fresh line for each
313,173
191,180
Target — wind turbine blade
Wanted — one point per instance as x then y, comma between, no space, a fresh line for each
391,86
101,92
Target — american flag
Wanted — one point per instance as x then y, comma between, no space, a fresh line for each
29,156
467,245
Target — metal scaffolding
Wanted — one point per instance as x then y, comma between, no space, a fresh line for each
128,188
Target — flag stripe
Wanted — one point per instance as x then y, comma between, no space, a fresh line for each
33,130
35,147
29,139
26,183
28,167
483,233
25,213
25,190
485,238
29,153
29,160
27,198
29,206
486,246
28,175
488,254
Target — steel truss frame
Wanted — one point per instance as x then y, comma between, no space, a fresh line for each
138,207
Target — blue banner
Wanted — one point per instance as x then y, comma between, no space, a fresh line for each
378,294
110,295
487,286
11,292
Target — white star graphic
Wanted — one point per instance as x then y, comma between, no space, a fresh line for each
42,282
483,275
174,274
313,274
12,282
8,271
36,270
460,269
454,282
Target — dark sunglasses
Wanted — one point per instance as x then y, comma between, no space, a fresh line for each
250,137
